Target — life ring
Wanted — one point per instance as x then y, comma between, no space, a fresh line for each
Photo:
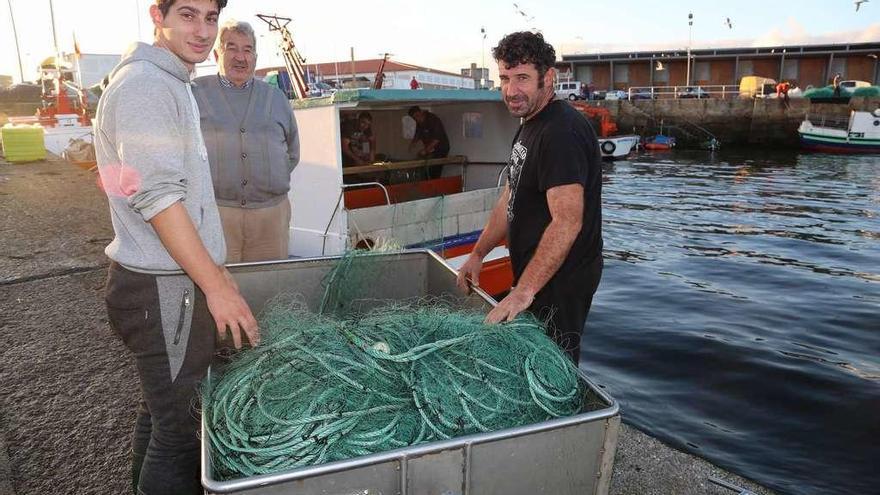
608,147
877,112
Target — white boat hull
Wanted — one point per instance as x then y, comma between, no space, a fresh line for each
618,146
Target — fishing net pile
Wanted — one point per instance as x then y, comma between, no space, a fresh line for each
867,92
350,382
823,92
828,92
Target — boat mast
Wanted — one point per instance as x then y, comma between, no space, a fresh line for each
15,34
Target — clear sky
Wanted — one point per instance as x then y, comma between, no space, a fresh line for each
445,34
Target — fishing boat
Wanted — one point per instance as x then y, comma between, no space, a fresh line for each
860,134
396,202
659,143
611,144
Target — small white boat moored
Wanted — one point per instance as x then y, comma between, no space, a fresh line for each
861,134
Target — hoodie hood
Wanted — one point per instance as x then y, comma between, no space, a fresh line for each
160,57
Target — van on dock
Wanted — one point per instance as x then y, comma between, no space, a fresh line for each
756,87
570,90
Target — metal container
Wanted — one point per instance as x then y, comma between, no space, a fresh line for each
565,456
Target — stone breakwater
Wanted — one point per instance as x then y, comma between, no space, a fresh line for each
734,121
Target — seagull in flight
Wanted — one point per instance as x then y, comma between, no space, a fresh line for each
730,24
859,3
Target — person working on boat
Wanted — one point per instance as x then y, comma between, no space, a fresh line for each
835,84
253,146
432,135
168,295
550,209
358,141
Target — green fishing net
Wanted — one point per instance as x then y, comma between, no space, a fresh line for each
361,379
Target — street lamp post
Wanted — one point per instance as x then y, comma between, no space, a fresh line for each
690,40
483,58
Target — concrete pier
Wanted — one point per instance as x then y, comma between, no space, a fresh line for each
734,121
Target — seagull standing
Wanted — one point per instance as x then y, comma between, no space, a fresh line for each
859,3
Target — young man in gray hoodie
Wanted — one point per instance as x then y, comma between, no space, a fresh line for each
167,290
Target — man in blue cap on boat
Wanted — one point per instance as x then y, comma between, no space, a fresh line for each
550,209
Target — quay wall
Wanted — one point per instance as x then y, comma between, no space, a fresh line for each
734,121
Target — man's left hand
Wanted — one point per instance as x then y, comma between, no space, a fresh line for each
515,303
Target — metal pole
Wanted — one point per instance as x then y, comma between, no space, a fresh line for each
483,57
352,69
690,40
54,34
15,34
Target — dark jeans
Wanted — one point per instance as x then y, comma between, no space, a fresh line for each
165,323
564,304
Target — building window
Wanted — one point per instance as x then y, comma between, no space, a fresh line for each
838,66
790,70
661,77
584,74
621,73
702,71
745,68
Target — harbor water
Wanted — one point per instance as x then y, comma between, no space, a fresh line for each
739,312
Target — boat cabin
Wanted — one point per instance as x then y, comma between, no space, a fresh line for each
401,200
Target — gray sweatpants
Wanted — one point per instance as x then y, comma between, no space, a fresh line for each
165,323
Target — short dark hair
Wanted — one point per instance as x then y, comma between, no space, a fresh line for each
413,110
365,116
165,5
525,47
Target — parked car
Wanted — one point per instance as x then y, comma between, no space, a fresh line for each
616,94
642,94
570,90
598,95
320,88
692,92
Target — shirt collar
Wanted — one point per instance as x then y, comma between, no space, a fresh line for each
226,83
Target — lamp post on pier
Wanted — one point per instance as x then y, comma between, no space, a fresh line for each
690,40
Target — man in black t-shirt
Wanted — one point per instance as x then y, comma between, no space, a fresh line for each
550,209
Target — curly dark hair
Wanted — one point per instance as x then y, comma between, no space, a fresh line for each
165,5
526,47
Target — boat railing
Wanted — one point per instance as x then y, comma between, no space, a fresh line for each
829,122
682,92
